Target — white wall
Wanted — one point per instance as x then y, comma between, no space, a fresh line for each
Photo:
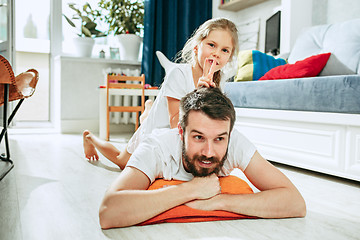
296,15
335,11
79,80
35,108
262,11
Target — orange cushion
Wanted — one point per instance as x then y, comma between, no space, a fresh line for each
183,213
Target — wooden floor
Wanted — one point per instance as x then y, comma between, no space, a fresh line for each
54,193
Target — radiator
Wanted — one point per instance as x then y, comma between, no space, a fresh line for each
123,117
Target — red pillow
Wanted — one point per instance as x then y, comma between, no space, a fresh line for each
309,67
229,185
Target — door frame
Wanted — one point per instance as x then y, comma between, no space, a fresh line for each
7,47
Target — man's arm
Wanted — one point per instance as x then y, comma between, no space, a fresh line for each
127,202
278,198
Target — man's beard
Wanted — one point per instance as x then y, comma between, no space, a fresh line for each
202,172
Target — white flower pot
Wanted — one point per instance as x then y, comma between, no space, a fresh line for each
83,46
129,46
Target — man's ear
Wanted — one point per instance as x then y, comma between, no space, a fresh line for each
181,131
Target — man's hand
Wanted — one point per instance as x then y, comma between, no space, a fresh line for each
206,79
127,202
206,205
205,187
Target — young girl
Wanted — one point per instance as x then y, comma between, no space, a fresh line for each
209,49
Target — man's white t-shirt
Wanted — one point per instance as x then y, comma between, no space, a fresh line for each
159,155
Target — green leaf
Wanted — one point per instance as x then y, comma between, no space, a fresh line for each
86,19
90,25
85,31
88,5
69,21
72,6
123,15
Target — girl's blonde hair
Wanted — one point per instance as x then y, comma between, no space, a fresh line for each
187,54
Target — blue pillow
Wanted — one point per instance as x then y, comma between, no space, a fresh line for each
253,64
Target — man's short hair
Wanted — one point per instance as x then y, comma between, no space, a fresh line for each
210,101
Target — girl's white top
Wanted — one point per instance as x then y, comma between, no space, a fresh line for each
177,83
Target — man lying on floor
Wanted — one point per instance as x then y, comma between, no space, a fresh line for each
203,148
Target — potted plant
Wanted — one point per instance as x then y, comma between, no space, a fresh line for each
126,20
84,43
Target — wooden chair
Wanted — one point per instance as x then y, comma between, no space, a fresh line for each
122,82
13,88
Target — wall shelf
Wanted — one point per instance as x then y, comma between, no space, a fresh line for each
99,60
236,5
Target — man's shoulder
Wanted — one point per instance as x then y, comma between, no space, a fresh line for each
157,154
162,134
237,136
240,151
164,138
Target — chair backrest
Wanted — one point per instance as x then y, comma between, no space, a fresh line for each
6,72
20,87
129,83
122,82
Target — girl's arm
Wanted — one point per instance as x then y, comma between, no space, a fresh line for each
173,109
206,80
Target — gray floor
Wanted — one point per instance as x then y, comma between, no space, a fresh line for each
54,193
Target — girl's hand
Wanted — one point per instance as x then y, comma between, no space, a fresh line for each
206,79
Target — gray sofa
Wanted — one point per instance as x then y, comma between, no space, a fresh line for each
336,89
312,123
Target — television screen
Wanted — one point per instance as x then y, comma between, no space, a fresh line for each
272,35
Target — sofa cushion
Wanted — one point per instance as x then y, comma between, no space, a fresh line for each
253,64
339,94
335,67
309,67
341,39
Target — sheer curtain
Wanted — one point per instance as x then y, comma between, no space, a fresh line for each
167,26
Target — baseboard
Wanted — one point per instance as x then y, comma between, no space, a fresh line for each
78,126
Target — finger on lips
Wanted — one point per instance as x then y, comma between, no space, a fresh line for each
212,68
207,65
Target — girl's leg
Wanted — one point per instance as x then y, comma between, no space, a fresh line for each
123,158
148,105
92,143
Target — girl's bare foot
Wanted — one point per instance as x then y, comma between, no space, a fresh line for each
148,105
89,148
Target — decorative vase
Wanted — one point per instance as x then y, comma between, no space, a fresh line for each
83,46
129,45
